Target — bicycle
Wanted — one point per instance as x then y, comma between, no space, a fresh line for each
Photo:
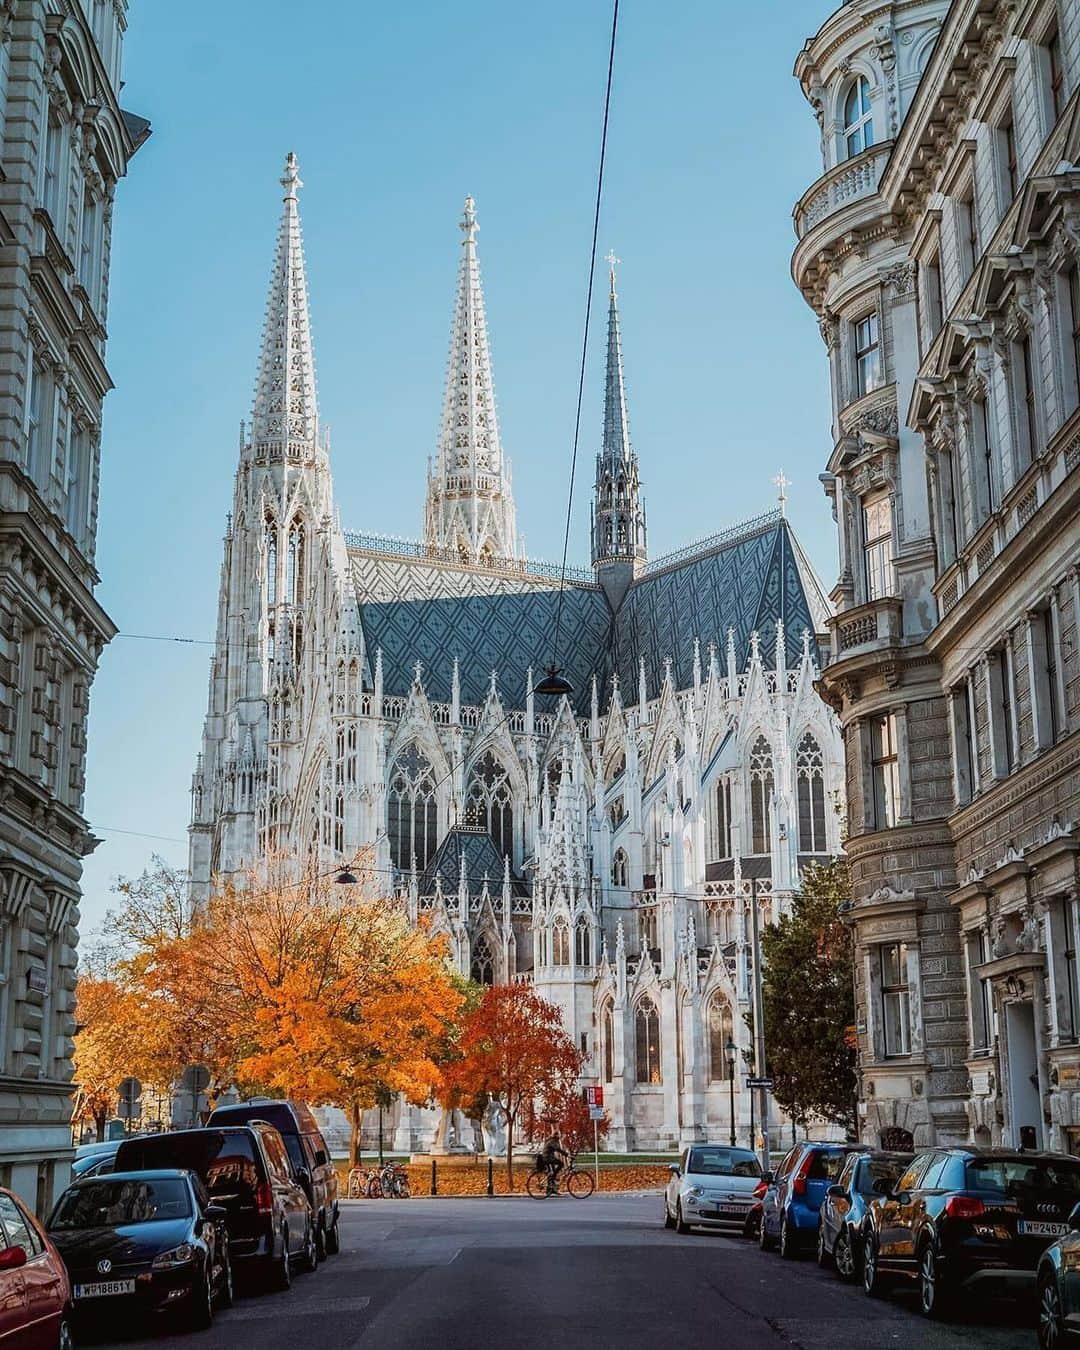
364,1183
394,1182
540,1184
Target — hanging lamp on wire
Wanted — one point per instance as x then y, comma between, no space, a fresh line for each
555,684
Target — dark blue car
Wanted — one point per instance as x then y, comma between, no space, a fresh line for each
840,1232
792,1204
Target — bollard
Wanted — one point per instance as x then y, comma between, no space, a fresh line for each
434,1177
491,1176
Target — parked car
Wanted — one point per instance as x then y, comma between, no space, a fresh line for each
92,1160
308,1154
145,1242
843,1212
712,1186
1058,1278
246,1171
752,1222
792,1204
969,1217
35,1294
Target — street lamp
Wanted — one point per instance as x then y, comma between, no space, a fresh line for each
731,1050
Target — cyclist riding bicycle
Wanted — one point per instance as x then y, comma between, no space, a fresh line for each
553,1158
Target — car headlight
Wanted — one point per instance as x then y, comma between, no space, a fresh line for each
697,1190
178,1256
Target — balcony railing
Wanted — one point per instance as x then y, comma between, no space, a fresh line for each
877,624
846,183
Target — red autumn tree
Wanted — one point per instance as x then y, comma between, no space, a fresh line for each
513,1047
565,1110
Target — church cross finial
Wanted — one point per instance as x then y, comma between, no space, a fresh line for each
417,670
612,262
782,483
290,179
468,220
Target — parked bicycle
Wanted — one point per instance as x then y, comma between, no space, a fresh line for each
541,1184
394,1181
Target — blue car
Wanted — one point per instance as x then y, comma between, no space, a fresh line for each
791,1207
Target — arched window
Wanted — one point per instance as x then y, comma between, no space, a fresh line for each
617,812
616,767
620,869
810,783
858,119
294,564
412,810
720,834
560,944
607,1043
271,563
339,822
720,1028
582,943
482,969
761,789
489,803
647,1042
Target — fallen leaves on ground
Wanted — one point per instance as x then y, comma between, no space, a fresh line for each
471,1178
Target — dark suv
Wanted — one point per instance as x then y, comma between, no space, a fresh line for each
246,1170
969,1217
308,1154
791,1206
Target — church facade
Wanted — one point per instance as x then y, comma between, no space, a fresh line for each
606,845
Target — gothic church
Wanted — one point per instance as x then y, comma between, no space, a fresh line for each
603,846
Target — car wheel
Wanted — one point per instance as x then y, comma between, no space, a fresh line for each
764,1241
226,1294
933,1295
1051,1322
283,1269
320,1242
309,1253
824,1258
681,1226
787,1240
874,1282
202,1303
844,1257
333,1238
669,1222
64,1338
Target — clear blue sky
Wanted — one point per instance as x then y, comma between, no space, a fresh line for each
396,113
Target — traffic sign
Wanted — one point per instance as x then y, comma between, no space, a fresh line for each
594,1096
765,1083
130,1106
596,1113
196,1078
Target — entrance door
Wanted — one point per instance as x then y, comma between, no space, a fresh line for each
1025,1107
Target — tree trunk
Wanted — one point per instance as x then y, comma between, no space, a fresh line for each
354,1138
510,1150
99,1126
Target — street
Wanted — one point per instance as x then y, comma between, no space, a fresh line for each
598,1273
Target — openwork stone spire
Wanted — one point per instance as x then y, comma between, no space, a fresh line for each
470,505
285,418
618,510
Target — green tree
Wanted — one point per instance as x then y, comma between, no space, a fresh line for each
809,998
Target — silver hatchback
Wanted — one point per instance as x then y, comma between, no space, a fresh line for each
712,1186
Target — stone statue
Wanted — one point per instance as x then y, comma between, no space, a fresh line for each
494,1128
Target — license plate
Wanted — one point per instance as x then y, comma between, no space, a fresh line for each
104,1288
737,1210
1029,1228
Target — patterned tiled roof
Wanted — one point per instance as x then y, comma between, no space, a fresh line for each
481,860
506,624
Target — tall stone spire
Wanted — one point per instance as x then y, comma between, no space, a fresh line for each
470,504
618,521
285,417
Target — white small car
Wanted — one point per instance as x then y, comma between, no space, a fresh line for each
711,1186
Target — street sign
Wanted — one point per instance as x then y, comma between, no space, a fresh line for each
765,1083
596,1113
196,1078
594,1096
130,1106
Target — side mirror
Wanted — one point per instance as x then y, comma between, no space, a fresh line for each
675,1169
768,1178
11,1258
836,1193
1074,1219
216,1213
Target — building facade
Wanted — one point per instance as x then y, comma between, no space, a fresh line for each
939,250
603,847
66,143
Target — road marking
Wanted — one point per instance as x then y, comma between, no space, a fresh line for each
267,1312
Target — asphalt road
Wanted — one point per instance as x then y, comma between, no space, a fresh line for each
560,1274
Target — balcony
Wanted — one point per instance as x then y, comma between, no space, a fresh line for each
848,182
866,628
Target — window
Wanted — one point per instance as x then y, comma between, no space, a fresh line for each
858,118
877,548
489,803
271,563
761,790
1028,429
1053,673
1002,697
932,295
967,232
1010,179
76,479
982,453
895,999
620,869
720,1028
1074,306
1070,918
647,927
412,810
39,421
294,568
560,943
482,968
647,1042
1052,43
983,1013
607,1040
50,177
810,782
867,354
885,763
722,833
17,1228
582,943
88,244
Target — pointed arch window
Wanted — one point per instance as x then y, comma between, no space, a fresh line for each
482,968
489,803
720,834
560,944
294,567
810,785
607,1043
858,118
647,1042
761,790
582,943
620,868
412,810
720,1029
271,563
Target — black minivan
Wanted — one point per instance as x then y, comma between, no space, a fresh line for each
308,1154
246,1170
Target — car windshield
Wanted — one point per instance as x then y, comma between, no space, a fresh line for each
723,1162
875,1170
1013,1176
109,1203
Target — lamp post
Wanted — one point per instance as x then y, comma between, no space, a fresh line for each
731,1050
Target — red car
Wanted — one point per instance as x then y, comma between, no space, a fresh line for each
35,1296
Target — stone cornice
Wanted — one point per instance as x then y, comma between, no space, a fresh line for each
877,842
994,804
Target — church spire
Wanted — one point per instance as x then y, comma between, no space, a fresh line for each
470,505
618,510
285,417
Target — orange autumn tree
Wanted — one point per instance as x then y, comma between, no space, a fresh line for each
110,1033
513,1046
